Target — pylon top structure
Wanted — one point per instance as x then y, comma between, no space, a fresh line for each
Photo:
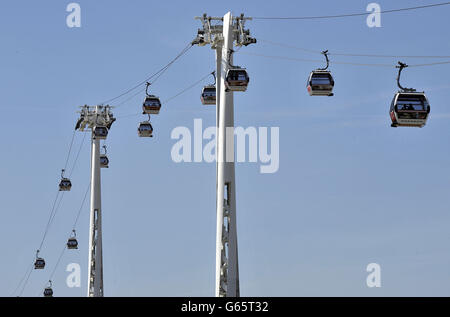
97,119
213,34
92,116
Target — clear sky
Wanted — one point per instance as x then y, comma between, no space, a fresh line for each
350,189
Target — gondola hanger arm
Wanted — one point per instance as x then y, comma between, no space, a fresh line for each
147,84
214,75
325,53
400,67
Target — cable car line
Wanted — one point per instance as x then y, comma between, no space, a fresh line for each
351,54
351,14
56,264
55,207
26,282
187,88
170,64
129,98
30,268
172,97
78,155
157,75
49,220
429,64
164,101
81,207
337,62
73,229
70,149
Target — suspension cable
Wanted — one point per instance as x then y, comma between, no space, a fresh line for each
70,150
337,62
78,155
26,282
174,96
23,278
73,229
349,54
350,14
187,88
155,75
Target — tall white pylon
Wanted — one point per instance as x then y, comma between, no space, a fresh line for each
221,38
99,120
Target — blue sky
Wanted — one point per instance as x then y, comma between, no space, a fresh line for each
350,190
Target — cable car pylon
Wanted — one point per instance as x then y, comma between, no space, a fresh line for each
221,38
98,119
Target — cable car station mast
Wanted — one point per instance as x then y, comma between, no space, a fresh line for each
221,38
99,120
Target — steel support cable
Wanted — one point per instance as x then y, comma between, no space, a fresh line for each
54,268
22,279
56,205
186,89
73,228
57,262
70,150
52,214
78,155
139,92
55,210
350,14
81,207
174,96
430,64
26,282
390,56
158,74
170,64
337,62
350,54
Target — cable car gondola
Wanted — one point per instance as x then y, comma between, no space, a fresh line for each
72,243
100,132
65,184
320,81
237,79
208,96
145,129
104,161
48,291
151,104
409,108
39,264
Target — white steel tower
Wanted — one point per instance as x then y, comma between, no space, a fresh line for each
99,120
221,38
